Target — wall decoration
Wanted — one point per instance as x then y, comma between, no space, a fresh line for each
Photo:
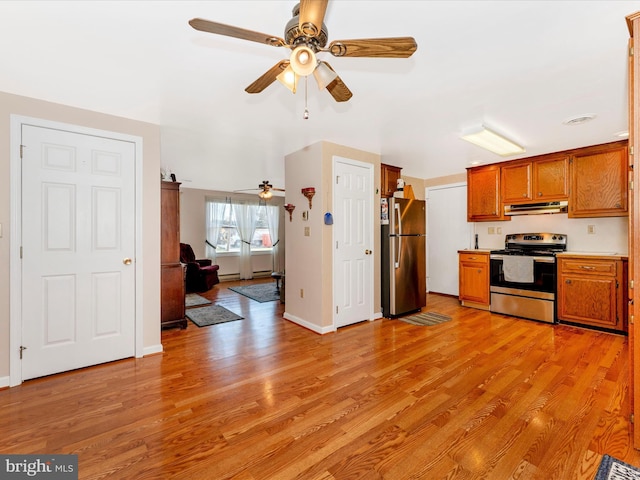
309,192
290,208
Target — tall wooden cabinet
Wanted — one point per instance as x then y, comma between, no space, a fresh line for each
172,284
633,22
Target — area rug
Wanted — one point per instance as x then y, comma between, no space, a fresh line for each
426,319
260,292
211,315
193,300
614,469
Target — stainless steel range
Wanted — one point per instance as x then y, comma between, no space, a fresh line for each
523,275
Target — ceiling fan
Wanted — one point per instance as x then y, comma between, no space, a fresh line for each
266,190
306,35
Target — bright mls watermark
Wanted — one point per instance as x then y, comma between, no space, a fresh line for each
50,467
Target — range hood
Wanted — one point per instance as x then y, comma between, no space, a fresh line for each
536,208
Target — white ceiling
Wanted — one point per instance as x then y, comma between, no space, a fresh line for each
521,67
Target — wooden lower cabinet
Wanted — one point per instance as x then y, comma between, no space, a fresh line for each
474,279
172,310
592,291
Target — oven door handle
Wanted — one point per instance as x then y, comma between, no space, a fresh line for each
535,259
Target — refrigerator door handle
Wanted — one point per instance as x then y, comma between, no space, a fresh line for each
398,237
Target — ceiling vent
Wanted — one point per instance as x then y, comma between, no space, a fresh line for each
579,119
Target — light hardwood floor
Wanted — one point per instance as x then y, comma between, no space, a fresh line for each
481,396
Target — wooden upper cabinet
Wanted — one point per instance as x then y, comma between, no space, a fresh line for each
540,180
483,194
516,182
389,176
551,178
599,181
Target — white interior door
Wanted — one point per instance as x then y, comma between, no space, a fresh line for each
447,232
353,237
78,234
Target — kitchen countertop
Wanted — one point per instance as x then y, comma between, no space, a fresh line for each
621,256
475,250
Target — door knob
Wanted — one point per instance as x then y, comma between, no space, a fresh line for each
368,252
126,261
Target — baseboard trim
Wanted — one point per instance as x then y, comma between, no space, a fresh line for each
5,382
309,326
152,350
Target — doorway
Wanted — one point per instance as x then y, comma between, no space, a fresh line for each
353,241
74,228
447,232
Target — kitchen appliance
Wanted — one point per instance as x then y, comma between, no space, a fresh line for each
536,208
404,279
523,275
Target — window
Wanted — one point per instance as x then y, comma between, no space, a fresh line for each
224,230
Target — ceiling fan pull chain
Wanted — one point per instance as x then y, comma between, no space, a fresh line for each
306,110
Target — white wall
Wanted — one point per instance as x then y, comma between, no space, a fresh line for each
309,259
611,233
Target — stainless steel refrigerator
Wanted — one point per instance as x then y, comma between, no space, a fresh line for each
404,279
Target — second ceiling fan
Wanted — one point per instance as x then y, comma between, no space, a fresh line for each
265,190
306,35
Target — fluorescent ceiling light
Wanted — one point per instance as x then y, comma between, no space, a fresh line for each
489,140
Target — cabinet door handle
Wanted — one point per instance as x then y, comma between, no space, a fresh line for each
539,194
586,267
568,282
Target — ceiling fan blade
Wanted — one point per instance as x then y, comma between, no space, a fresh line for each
278,189
267,78
230,31
337,88
311,16
393,47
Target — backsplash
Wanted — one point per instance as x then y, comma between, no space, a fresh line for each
610,233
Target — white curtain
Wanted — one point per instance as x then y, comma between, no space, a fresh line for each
215,214
273,219
246,221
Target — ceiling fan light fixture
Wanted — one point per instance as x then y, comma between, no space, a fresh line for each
265,194
288,78
492,141
303,60
324,75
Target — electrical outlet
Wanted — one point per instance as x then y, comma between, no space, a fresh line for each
591,229
491,230
302,293
306,231
499,230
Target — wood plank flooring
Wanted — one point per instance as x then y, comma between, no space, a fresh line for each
483,396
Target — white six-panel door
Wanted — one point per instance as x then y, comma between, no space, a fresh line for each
353,280
78,244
